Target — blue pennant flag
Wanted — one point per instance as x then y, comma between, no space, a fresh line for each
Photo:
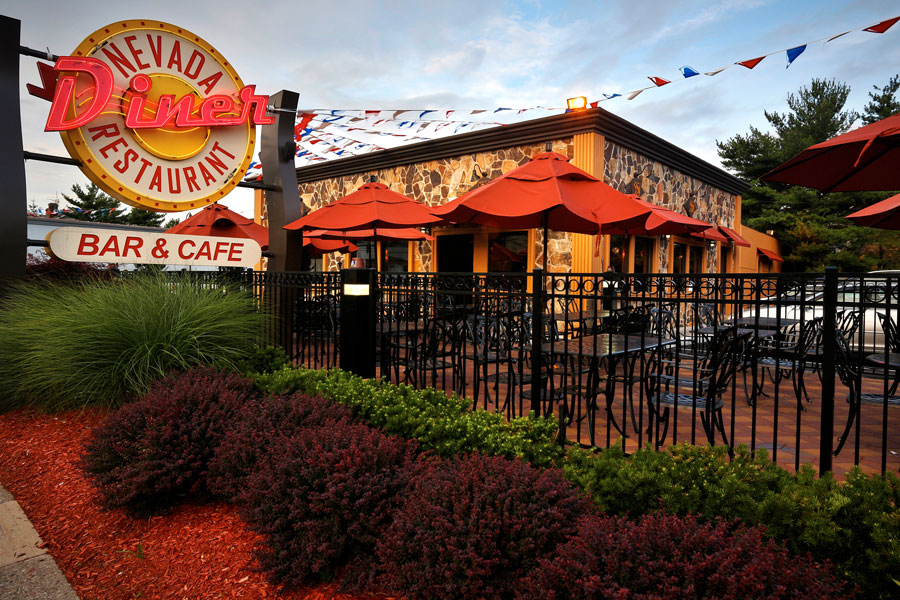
611,96
688,71
425,112
793,53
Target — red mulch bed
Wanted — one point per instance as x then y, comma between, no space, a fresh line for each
194,552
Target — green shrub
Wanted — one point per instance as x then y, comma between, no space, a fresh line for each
262,359
104,342
439,422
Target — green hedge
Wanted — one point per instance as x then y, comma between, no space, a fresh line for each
441,423
855,524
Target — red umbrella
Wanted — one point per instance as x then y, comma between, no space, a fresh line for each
864,159
319,246
662,221
407,233
884,214
548,193
220,221
372,206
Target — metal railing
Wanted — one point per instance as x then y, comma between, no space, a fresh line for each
803,365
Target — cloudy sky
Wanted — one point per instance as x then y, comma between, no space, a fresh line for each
481,54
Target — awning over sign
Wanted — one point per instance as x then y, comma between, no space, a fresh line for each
769,254
734,236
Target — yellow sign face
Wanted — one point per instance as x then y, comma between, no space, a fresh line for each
174,134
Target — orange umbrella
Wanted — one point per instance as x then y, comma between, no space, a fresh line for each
407,233
864,159
319,246
662,221
220,221
373,206
884,214
547,192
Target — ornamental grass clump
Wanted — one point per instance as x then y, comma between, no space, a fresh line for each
155,452
96,342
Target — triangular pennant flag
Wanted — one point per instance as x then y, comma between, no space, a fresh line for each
883,26
751,62
834,37
717,71
594,104
659,81
611,96
688,71
793,53
634,94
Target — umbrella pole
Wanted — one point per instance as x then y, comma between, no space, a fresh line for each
546,244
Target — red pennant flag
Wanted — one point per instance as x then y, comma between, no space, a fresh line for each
594,104
752,62
659,81
305,118
883,26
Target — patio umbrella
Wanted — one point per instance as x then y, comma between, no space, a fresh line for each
546,193
662,221
373,206
220,221
407,233
864,159
884,214
319,246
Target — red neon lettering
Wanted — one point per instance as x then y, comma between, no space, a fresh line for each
214,111
88,244
181,246
65,87
132,243
234,254
111,246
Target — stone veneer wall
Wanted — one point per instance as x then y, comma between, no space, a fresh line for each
435,183
633,173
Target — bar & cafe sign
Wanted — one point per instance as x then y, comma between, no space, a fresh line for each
160,120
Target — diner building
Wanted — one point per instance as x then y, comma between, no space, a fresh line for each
608,147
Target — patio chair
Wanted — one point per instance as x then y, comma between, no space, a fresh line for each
786,356
712,375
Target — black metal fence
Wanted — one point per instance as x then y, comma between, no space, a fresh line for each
805,366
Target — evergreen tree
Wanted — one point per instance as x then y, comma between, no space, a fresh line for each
809,225
145,218
90,204
884,103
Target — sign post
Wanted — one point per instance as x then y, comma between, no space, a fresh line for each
13,221
357,335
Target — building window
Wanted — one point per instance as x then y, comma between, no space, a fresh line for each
643,255
687,258
395,257
508,252
618,253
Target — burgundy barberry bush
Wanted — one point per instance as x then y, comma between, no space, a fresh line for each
665,557
153,452
323,497
473,527
261,424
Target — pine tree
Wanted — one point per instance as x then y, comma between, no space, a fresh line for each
90,204
884,103
145,218
809,225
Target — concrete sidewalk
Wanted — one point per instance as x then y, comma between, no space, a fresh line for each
27,572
